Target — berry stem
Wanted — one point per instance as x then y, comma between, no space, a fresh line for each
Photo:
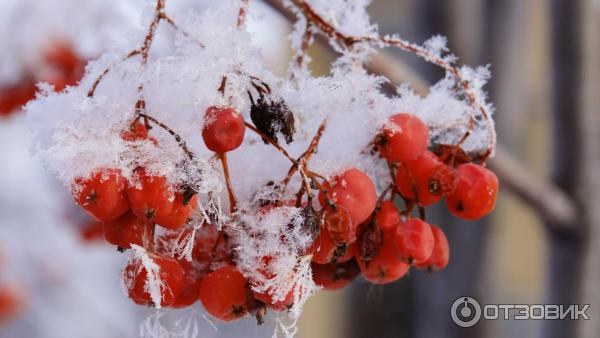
232,200
182,144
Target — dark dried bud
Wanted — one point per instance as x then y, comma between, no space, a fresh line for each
272,116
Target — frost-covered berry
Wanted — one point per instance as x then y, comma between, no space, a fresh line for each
223,293
223,129
103,194
353,191
441,251
165,281
180,213
414,241
149,196
136,131
405,139
475,193
125,230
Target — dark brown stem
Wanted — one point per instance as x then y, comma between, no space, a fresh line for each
232,200
182,144
312,148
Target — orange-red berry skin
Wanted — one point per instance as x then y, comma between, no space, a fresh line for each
103,194
414,241
441,251
224,293
354,191
406,139
149,196
125,230
419,176
223,129
475,193
170,274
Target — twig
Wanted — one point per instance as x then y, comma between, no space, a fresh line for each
314,143
232,200
182,144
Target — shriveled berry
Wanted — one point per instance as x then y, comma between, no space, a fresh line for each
404,139
223,129
475,193
340,226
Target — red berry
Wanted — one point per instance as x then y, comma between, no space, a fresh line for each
223,129
475,193
340,226
388,216
209,246
102,195
279,305
190,286
334,276
137,131
136,280
414,241
13,300
224,293
405,139
353,191
126,230
13,97
419,176
149,196
326,251
180,213
67,67
385,267
441,251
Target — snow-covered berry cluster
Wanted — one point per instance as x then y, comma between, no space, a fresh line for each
249,191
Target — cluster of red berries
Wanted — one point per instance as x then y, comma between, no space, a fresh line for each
355,231
61,67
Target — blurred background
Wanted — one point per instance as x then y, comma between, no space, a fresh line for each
540,246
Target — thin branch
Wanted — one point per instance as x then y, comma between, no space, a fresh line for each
182,144
232,200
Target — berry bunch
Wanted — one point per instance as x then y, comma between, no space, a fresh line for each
354,232
307,178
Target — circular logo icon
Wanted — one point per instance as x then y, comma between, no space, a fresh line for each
465,311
